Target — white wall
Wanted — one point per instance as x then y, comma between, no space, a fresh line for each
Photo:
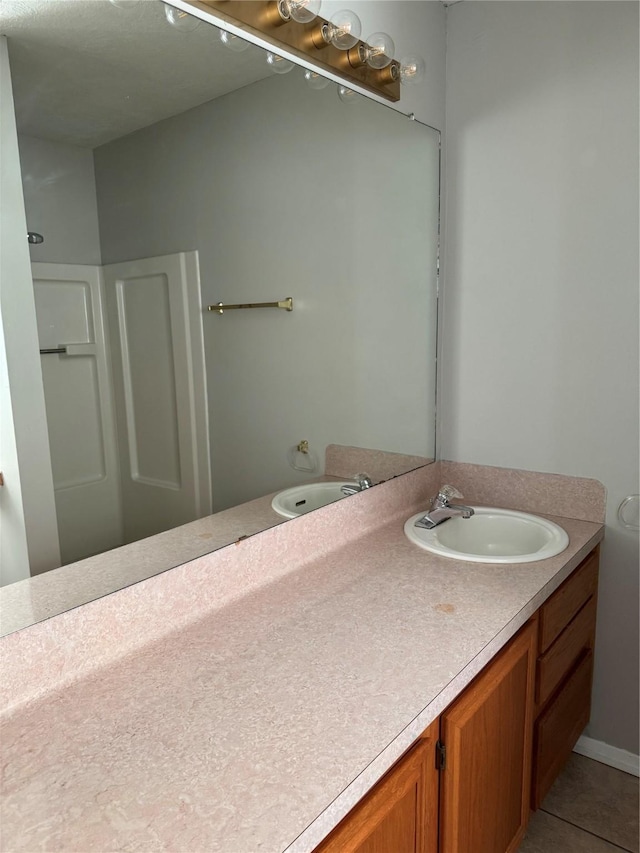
284,194
60,201
541,283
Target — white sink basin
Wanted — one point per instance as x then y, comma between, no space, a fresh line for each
491,536
301,499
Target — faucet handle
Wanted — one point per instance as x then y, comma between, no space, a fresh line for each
364,481
450,492
442,498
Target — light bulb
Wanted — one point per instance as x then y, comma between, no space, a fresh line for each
303,11
123,4
180,20
343,31
412,70
346,95
380,50
315,80
234,43
278,64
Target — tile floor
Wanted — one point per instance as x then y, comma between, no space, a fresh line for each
591,808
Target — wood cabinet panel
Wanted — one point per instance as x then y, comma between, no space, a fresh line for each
401,813
559,727
559,659
567,600
487,732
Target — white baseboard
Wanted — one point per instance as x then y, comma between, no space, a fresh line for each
611,755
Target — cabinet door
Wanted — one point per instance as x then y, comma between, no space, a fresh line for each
400,815
487,734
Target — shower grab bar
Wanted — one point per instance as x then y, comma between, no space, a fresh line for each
70,349
54,351
220,307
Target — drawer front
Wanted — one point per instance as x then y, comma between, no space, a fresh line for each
559,727
556,662
567,600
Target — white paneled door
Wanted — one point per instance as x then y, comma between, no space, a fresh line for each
155,322
80,410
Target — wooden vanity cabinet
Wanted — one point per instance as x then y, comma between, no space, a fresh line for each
465,785
468,783
564,673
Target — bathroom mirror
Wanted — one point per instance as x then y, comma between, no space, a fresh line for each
167,173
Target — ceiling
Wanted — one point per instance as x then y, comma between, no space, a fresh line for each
87,71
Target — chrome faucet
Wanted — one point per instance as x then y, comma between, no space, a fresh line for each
364,482
442,509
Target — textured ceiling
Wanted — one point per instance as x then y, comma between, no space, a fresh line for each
88,71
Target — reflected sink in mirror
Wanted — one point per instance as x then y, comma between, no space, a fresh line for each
491,535
300,499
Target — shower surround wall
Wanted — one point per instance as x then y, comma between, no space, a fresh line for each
280,194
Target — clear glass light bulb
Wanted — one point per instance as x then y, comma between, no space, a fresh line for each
315,80
180,20
412,70
234,43
346,95
278,64
380,50
123,4
303,11
344,29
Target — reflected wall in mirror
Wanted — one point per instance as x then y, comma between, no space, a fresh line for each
167,173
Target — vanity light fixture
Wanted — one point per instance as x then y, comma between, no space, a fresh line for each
376,52
342,31
332,47
301,11
234,43
278,64
180,20
412,70
347,95
315,80
379,50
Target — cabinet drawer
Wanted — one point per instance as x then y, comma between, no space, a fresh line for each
567,600
559,727
556,662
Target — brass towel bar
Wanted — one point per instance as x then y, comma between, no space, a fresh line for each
220,307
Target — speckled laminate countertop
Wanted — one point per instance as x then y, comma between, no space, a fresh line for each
258,727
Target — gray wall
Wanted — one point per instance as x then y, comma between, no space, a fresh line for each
60,200
541,294
289,192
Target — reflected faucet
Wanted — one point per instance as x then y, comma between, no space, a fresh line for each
442,509
364,482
